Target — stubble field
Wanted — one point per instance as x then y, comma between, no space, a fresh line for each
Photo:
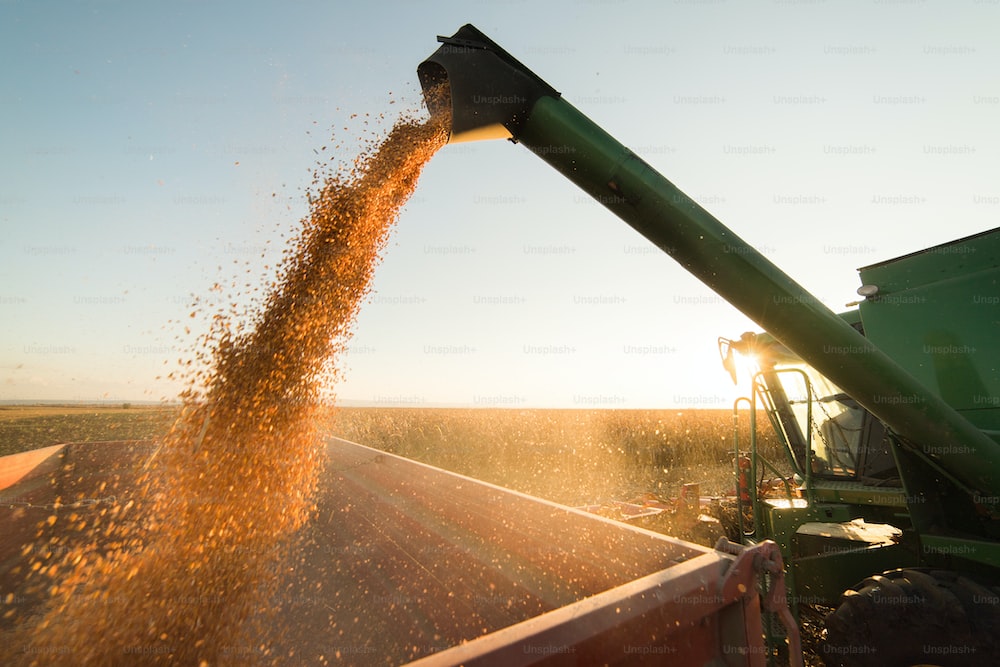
33,426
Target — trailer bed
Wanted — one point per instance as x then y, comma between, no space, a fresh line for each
403,561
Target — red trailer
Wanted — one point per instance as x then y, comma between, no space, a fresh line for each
406,562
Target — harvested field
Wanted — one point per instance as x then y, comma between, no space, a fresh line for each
33,426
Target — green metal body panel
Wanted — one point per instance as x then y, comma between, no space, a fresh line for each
937,313
780,523
855,493
960,553
821,579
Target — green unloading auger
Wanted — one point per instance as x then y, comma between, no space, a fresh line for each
492,95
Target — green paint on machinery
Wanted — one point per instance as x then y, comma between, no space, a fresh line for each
936,312
889,413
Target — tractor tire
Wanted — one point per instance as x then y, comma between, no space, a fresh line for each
914,617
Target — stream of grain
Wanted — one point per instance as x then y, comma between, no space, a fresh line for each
184,568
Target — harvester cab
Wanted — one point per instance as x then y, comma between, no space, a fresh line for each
823,429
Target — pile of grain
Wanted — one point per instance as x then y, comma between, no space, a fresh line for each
181,572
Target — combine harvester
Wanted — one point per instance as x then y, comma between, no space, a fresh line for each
889,414
406,562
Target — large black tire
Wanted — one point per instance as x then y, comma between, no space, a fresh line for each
914,617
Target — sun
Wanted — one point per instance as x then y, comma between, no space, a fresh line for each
738,359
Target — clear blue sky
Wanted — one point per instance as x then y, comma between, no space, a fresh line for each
153,149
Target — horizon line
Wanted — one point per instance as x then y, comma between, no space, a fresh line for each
354,403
